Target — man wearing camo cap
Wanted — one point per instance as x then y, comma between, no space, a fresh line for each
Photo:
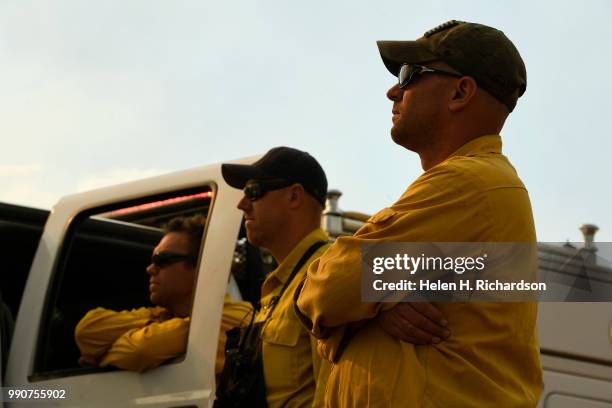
456,86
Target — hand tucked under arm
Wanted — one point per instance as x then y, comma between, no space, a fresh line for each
415,322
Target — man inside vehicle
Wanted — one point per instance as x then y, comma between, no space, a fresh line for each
144,338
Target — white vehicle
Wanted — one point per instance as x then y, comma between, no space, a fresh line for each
93,252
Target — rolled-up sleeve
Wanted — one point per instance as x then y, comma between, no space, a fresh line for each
331,293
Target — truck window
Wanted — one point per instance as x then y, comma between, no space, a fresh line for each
103,263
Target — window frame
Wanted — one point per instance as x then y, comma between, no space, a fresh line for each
59,268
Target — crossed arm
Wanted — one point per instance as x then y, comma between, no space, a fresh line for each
434,209
134,340
144,338
412,322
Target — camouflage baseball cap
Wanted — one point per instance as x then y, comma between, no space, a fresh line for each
475,50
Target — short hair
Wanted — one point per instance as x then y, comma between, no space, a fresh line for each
192,226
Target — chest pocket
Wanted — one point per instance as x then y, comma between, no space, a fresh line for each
282,331
383,215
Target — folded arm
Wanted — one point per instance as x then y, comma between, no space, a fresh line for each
100,328
147,347
432,210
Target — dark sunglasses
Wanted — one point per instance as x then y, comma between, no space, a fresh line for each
408,72
162,259
255,189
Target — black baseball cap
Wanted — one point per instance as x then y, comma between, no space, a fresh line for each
284,163
477,50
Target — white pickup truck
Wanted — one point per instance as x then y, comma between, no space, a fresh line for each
93,251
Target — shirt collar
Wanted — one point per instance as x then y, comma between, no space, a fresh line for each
482,144
285,268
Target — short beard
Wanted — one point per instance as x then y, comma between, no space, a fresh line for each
417,142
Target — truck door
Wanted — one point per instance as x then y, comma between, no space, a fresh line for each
93,253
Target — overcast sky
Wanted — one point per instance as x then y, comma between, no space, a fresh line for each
96,93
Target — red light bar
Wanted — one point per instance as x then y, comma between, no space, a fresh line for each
156,204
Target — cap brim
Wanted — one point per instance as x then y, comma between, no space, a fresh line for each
396,53
236,175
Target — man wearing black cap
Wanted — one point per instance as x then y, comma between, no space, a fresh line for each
284,195
456,86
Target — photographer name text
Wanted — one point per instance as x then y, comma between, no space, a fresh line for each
464,284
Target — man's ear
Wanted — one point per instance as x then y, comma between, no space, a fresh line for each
464,91
296,195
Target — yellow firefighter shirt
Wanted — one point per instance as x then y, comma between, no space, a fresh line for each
492,356
144,338
290,359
